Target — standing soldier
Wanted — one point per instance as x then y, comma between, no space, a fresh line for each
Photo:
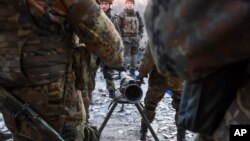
90,63
206,43
156,91
107,71
36,64
131,29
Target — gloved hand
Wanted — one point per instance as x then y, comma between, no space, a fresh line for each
140,79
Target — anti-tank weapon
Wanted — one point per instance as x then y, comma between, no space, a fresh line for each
130,93
130,88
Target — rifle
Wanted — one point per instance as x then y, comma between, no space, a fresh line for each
20,110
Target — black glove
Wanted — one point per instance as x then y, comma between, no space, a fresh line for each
140,79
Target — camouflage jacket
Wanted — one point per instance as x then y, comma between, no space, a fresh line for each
125,18
34,33
147,62
194,38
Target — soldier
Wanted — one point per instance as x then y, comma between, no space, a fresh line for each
107,71
131,29
37,62
156,90
90,63
206,43
86,65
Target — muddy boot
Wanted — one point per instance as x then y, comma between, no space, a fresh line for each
181,134
143,131
111,94
150,114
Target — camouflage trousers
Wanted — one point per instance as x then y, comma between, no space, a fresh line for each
92,65
131,51
107,73
64,113
156,91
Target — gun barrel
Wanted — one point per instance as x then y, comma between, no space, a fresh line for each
130,88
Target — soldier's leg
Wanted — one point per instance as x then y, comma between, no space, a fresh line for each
181,132
155,93
126,55
134,53
110,85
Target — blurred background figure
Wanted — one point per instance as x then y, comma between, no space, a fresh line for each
130,26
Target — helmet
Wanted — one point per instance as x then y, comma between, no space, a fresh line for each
108,1
133,1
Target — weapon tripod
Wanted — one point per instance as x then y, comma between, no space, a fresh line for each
122,100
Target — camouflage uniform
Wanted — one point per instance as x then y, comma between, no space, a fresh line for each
91,64
156,91
199,38
131,29
107,71
86,65
38,68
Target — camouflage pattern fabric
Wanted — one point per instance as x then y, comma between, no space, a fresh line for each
107,71
43,40
195,37
198,38
130,36
131,51
238,113
108,76
157,85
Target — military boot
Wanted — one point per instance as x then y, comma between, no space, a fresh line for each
143,131
181,134
111,94
150,114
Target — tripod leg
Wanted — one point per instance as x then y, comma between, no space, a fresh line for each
107,118
138,106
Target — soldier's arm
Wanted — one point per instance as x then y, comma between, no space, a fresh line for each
96,31
119,22
147,63
116,22
141,25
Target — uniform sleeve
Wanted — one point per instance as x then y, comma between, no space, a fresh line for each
198,37
96,30
147,63
141,25
119,22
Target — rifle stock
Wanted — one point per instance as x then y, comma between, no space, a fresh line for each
10,103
